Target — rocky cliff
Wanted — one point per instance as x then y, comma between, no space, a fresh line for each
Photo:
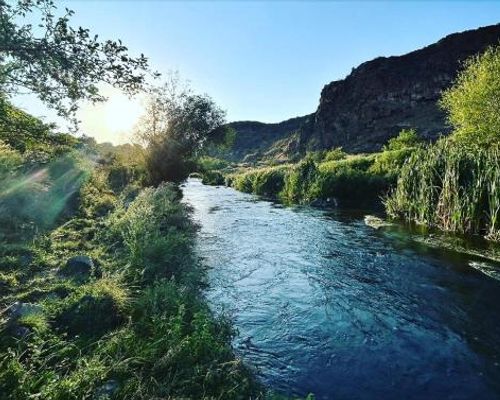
382,96
374,102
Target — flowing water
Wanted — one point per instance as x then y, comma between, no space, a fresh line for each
324,304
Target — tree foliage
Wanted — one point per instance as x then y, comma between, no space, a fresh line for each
176,126
473,102
58,62
24,132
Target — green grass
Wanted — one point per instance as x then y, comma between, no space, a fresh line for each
142,325
351,180
265,181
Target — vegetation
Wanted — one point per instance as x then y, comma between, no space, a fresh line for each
454,184
60,63
472,102
41,173
134,328
268,181
176,126
99,283
451,186
331,176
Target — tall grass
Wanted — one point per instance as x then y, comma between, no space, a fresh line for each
451,186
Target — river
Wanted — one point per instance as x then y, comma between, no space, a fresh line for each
325,304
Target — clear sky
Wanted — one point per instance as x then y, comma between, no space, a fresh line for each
260,60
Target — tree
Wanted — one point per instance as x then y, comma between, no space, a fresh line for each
176,126
473,102
59,63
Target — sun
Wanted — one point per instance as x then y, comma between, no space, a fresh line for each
112,121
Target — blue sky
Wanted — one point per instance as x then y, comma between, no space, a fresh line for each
268,61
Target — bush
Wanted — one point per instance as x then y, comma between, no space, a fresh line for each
335,154
213,178
407,138
243,182
349,186
390,162
472,102
207,163
350,180
298,182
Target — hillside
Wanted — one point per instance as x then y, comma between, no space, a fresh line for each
253,139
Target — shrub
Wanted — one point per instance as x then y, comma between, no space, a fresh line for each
269,181
350,180
213,178
406,139
349,185
207,163
472,102
335,154
155,233
243,182
395,154
97,199
298,182
390,162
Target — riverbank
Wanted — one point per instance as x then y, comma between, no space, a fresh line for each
329,177
107,305
449,185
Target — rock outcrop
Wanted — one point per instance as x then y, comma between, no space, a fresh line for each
382,96
374,102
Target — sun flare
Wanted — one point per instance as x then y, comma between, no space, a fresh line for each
112,121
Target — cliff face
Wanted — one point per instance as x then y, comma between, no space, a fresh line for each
374,102
382,96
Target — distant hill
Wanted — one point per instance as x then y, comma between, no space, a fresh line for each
372,104
254,139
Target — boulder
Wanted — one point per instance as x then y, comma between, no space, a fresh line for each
376,222
80,268
19,309
107,390
16,311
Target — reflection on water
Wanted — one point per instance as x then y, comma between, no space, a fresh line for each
325,304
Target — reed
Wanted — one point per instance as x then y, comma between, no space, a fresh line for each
451,186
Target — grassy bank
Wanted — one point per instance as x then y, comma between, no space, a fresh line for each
330,176
105,303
